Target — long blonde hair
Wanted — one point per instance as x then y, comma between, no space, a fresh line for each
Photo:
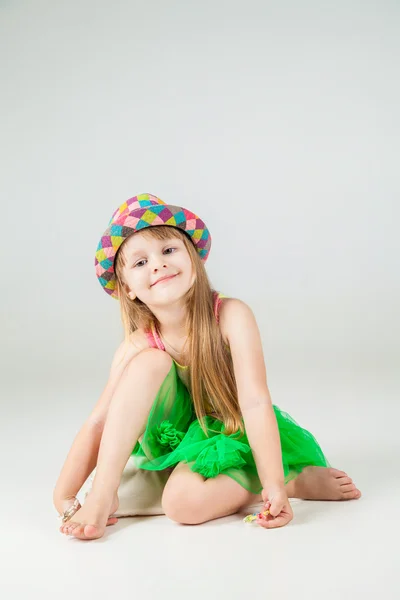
211,373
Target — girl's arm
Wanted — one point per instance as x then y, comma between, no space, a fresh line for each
82,457
263,434
239,326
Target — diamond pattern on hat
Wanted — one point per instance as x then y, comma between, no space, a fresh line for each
149,216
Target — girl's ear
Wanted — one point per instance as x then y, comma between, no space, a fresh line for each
127,291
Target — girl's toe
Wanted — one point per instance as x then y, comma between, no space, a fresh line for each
337,472
91,531
345,480
78,531
347,487
350,495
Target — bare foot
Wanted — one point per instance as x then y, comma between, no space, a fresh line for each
90,521
322,483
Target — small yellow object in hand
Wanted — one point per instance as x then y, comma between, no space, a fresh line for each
254,516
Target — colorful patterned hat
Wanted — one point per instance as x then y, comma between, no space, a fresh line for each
135,214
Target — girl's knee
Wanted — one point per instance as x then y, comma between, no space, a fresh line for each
183,505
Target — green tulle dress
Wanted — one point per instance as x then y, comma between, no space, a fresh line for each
173,434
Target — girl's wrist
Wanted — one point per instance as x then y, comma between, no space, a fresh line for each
274,487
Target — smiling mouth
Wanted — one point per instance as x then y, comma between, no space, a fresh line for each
164,279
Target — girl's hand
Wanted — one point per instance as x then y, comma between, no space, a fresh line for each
277,502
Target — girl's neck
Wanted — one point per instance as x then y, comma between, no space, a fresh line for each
173,342
173,333
171,320
176,349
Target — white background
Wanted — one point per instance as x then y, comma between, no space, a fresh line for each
278,124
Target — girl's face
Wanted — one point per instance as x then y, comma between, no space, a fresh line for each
148,260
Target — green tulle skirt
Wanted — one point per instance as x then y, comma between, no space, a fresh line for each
173,434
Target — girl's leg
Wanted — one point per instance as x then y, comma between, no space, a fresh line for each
189,498
125,423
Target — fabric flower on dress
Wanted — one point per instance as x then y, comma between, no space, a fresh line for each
168,435
221,454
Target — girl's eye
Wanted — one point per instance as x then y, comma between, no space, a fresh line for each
141,261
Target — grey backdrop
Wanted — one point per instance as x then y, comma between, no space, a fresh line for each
278,124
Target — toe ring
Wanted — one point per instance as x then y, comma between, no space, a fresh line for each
67,514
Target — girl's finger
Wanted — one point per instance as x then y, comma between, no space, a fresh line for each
272,523
275,509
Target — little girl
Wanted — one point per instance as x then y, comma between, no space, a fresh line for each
187,390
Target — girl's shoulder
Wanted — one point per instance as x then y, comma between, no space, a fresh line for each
223,303
228,309
139,339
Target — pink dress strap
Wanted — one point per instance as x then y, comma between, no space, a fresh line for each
154,339
217,304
